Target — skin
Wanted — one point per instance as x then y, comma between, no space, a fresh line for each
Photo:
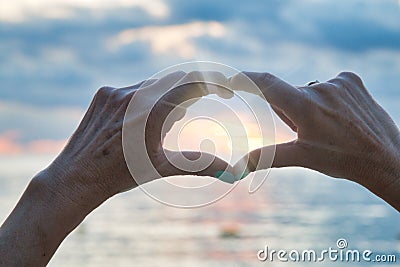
341,131
88,171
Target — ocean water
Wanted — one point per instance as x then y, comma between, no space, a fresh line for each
295,209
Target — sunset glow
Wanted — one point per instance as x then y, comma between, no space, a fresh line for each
231,139
10,145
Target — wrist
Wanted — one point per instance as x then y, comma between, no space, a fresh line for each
41,220
382,177
70,187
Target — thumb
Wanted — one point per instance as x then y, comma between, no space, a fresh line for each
172,163
286,154
289,154
282,155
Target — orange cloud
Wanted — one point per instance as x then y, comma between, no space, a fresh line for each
46,146
10,145
169,39
22,10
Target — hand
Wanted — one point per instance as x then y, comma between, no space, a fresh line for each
342,132
92,168
93,160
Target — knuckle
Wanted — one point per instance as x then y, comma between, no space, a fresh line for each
241,74
336,82
147,82
329,88
339,84
179,73
194,76
216,77
171,77
327,94
262,79
216,74
116,95
351,78
111,95
266,76
104,91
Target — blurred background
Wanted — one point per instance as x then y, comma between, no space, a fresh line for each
55,54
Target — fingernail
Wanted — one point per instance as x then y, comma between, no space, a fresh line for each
226,177
225,93
243,175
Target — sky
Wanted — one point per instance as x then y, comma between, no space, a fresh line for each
55,54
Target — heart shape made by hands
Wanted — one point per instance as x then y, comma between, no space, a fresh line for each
162,102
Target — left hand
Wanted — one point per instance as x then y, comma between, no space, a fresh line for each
93,166
90,169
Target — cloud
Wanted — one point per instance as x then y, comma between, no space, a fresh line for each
10,145
18,11
45,146
29,123
51,63
35,130
354,26
55,54
175,39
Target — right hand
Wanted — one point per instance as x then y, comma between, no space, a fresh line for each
342,132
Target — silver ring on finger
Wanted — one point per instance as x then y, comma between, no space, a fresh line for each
312,82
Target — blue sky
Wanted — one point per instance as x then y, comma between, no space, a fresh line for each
55,54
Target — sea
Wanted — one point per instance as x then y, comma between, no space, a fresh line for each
295,210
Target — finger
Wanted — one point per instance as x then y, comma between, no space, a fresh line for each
141,84
351,77
191,88
289,154
285,155
169,109
151,90
165,83
195,85
148,92
284,118
276,91
214,165
160,110
99,100
172,106
213,83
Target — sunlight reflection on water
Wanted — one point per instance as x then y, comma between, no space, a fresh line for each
294,209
